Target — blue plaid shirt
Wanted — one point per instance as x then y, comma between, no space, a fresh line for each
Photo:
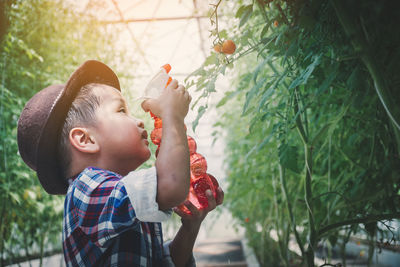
100,227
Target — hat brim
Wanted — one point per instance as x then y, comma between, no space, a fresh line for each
47,165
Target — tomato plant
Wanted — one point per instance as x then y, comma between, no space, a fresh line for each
315,155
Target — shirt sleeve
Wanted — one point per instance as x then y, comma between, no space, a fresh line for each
141,187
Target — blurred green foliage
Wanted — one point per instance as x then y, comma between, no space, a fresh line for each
310,123
42,43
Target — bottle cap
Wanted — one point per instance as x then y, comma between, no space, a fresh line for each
167,68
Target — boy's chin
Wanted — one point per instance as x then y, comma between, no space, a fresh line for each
146,156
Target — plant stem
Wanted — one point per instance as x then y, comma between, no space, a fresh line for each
2,226
26,248
278,223
329,175
366,219
289,207
42,249
215,12
299,123
397,137
371,249
308,198
343,247
312,236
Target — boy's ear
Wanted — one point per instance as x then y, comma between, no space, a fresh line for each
82,140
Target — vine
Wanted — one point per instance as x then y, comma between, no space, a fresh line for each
336,152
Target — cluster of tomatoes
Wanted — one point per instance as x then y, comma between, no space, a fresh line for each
227,47
200,180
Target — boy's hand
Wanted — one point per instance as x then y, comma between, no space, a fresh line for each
174,101
197,216
181,247
172,164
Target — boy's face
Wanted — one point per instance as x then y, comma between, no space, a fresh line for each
122,139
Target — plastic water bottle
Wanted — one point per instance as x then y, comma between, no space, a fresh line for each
200,180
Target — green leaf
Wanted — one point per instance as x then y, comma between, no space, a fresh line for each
200,113
240,11
303,77
264,31
265,96
28,74
266,42
328,80
265,141
211,85
292,50
212,59
307,22
321,132
253,91
288,157
311,67
222,70
204,94
247,11
278,37
356,79
228,96
223,34
15,197
260,66
198,72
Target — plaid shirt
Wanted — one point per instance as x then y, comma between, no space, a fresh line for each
100,227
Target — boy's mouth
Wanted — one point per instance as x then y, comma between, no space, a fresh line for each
144,134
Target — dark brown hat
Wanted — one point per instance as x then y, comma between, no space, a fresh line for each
41,121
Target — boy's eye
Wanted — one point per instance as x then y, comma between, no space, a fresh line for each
122,110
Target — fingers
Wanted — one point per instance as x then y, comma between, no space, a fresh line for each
178,88
220,196
188,96
211,200
147,104
200,213
181,89
174,97
173,84
182,214
192,208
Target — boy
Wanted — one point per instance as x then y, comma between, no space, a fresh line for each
81,141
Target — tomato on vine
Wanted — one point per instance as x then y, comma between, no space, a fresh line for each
228,47
218,48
